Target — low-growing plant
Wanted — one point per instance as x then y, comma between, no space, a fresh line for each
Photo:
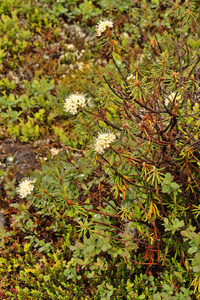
118,217
147,114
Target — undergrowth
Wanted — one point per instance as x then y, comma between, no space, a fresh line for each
115,214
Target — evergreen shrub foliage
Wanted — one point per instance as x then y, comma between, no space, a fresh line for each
123,222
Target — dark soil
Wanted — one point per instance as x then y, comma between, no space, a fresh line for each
21,159
22,155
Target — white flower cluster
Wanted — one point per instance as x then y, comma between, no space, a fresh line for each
103,142
73,102
131,76
171,98
25,187
71,47
102,25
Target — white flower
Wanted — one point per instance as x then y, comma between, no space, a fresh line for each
124,35
71,47
25,187
102,25
103,142
131,76
166,102
73,102
171,98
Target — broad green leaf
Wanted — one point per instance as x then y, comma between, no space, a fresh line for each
197,239
192,250
197,258
80,262
174,185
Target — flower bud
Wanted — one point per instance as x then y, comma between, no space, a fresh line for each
137,83
125,125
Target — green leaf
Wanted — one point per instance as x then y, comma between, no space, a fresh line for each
109,294
167,287
196,269
197,258
26,247
151,278
168,178
177,274
166,189
80,261
166,221
90,275
192,250
109,286
46,169
156,297
106,247
174,185
66,272
197,239
89,249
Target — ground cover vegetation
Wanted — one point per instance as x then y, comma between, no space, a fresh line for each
113,211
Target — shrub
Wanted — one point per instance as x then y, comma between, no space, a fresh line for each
121,219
